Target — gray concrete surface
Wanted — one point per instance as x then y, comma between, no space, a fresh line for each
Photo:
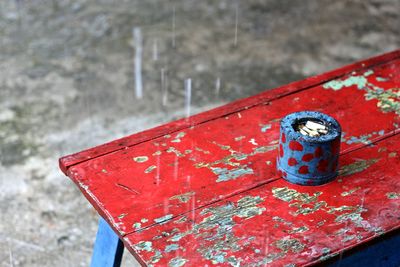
67,83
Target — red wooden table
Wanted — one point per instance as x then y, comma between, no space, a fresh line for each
204,190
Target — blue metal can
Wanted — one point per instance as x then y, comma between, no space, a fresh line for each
308,156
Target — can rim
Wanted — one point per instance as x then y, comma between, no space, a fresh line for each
288,122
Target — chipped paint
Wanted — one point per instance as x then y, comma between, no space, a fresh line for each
144,245
388,99
225,175
163,219
144,220
265,127
184,198
356,167
393,195
104,171
221,219
141,159
359,81
239,138
351,191
202,150
175,151
137,226
177,262
354,216
157,153
150,169
171,247
178,137
289,244
300,229
223,147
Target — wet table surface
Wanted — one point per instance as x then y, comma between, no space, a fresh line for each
204,190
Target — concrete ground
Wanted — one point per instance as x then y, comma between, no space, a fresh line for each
67,82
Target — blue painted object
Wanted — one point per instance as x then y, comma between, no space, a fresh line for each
381,252
108,248
304,159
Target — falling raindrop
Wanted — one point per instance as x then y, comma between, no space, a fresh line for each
236,22
193,208
155,50
158,171
164,88
217,86
188,96
166,206
173,26
176,164
137,39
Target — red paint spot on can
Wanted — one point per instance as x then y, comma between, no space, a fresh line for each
318,152
281,151
283,138
292,162
303,170
322,165
279,173
307,157
294,145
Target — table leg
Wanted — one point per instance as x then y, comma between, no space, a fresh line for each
108,248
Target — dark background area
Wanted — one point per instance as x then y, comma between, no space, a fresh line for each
67,82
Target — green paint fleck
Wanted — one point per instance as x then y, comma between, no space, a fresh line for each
184,198
122,215
348,193
301,229
356,167
381,79
141,159
164,219
175,151
257,251
171,247
157,153
178,137
176,237
144,220
177,262
225,175
268,162
368,73
359,81
393,195
144,245
137,225
289,244
150,169
239,138
265,127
